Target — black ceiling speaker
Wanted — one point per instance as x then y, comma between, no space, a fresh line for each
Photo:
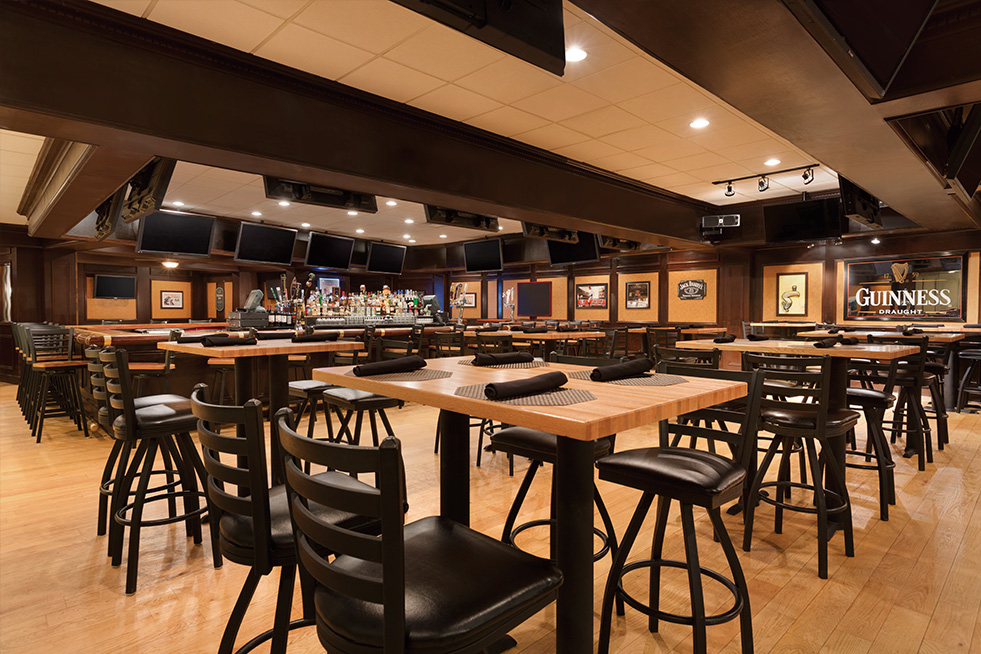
320,196
454,218
622,244
531,230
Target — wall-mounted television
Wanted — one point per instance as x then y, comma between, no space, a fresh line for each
534,298
483,256
587,249
175,233
385,258
115,287
265,244
328,251
811,220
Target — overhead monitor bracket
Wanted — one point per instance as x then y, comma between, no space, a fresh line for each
147,189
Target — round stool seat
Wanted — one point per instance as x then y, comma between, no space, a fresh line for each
304,386
839,420
869,397
970,354
537,445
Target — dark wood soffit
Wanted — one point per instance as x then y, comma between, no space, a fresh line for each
762,61
117,81
48,157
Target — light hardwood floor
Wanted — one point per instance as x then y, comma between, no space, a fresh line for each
913,586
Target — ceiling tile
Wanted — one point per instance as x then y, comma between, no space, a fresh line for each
603,121
507,121
638,137
720,118
729,137
314,53
721,172
697,161
557,104
508,80
630,79
619,162
134,7
20,142
787,160
444,53
648,171
391,80
455,103
587,150
713,194
223,21
682,99
761,150
671,181
669,150
23,160
279,8
551,136
602,50
373,25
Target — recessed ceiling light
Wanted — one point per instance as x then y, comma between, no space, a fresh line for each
178,203
412,240
304,224
500,228
875,241
771,162
256,213
170,264
359,231
406,236
442,235
409,221
352,213
699,123
284,203
575,53
391,203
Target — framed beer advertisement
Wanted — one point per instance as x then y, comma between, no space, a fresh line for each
792,294
924,287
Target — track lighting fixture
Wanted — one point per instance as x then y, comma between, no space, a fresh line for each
729,191
808,176
875,240
764,183
764,179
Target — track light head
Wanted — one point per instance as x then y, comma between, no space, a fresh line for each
729,191
764,183
808,176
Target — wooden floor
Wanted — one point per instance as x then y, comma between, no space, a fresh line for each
913,586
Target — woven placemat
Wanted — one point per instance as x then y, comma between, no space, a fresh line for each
647,379
504,366
558,397
423,374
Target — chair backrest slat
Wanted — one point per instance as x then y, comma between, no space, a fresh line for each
788,380
690,358
448,344
488,343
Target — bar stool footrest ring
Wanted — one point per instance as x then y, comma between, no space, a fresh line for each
710,620
547,521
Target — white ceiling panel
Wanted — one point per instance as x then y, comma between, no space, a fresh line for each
561,102
552,137
18,153
455,102
508,80
372,25
671,150
588,150
279,8
299,47
636,138
507,121
632,78
392,80
426,52
603,121
224,21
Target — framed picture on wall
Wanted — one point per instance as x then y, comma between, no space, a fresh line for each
792,294
171,299
591,296
469,300
638,295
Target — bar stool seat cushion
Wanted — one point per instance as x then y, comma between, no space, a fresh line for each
869,397
454,592
172,415
145,401
936,368
304,386
838,419
358,400
690,475
537,445
903,378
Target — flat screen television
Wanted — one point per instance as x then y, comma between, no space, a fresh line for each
534,298
483,256
385,258
328,251
265,244
115,287
587,249
811,220
176,233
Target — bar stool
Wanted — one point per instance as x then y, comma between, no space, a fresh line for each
911,380
969,384
348,403
873,403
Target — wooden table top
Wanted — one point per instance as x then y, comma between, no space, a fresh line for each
782,324
935,337
862,350
547,336
616,408
261,349
686,330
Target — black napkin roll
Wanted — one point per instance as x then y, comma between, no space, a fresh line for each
497,359
920,324
486,328
271,335
190,339
728,338
834,331
849,340
567,328
402,364
848,329
226,341
631,368
322,337
973,326
517,328
912,332
757,337
536,330
531,386
826,342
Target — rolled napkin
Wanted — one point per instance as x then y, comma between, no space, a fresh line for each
500,358
536,330
531,386
848,329
834,330
517,328
912,332
190,339
402,364
485,328
757,337
973,326
631,368
920,324
826,342
849,340
271,336
227,341
322,337
728,338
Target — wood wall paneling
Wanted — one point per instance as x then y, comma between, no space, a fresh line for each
593,314
815,290
693,311
102,309
640,315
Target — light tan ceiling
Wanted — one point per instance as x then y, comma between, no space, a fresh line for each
237,195
618,109
18,153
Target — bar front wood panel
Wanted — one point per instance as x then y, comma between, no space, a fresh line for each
705,310
595,314
815,290
106,309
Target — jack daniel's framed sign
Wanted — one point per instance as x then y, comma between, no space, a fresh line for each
920,287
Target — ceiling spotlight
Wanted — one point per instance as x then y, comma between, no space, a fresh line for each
575,53
178,203
808,176
699,123
352,213
391,203
409,221
771,162
810,246
500,228
442,235
304,224
729,191
359,231
875,240
838,241
406,236
412,240
284,203
257,213
170,264
764,183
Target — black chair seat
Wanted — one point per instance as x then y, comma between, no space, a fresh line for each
839,420
903,378
454,592
869,397
689,475
359,400
537,445
304,386
171,415
936,368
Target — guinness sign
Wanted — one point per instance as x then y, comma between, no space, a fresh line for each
692,289
923,287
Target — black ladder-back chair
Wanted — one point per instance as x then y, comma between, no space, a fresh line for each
415,338
661,337
433,585
689,358
748,329
938,356
148,371
492,343
54,387
810,422
693,478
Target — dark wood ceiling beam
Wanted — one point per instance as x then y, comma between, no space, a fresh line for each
116,81
758,58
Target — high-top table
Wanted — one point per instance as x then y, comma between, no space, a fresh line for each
934,337
277,352
548,339
615,409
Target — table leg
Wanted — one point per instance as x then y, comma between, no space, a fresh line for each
454,466
838,400
279,393
548,346
574,546
244,370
